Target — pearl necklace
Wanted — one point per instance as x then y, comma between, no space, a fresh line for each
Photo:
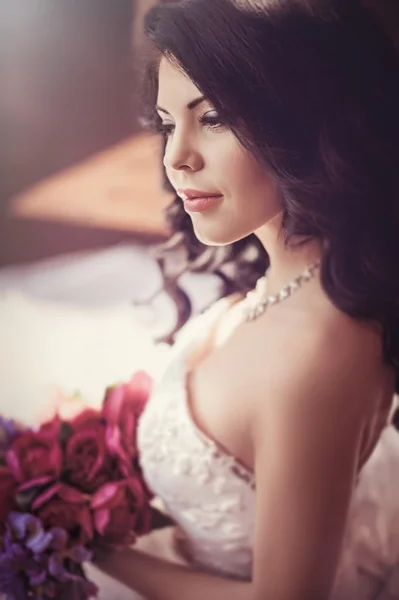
256,301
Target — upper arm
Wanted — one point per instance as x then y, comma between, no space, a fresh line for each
306,452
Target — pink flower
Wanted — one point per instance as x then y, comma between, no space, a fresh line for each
88,465
8,489
121,511
122,407
36,454
65,507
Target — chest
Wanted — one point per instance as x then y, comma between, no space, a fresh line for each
219,389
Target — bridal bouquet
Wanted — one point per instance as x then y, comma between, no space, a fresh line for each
70,486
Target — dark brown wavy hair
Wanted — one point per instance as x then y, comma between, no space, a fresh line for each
311,89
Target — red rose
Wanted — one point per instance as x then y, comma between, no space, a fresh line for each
86,418
8,487
88,464
63,506
121,511
36,454
122,407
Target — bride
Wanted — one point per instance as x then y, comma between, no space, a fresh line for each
281,129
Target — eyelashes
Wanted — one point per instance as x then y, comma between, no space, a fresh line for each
208,121
165,129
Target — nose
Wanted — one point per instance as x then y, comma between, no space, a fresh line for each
181,153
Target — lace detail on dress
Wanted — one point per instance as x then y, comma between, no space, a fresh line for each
206,492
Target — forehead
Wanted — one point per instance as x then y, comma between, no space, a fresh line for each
175,88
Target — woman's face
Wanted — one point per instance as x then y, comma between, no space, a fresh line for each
204,159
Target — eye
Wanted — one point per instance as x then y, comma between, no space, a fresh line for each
165,129
211,120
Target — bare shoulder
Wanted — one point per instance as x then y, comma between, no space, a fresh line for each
309,395
319,357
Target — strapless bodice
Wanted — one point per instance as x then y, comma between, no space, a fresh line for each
207,492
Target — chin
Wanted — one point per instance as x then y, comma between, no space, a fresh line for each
217,237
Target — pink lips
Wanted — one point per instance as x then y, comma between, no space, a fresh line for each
198,200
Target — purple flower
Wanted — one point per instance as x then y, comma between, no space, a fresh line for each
20,566
10,583
39,561
28,529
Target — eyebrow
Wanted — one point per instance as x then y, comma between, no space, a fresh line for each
191,105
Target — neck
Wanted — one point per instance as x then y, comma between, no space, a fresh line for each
286,263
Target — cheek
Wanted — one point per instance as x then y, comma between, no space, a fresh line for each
169,177
249,180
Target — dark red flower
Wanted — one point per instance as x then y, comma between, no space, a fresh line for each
36,454
8,487
88,463
121,511
86,418
65,507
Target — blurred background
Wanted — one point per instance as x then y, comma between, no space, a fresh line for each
76,171
81,205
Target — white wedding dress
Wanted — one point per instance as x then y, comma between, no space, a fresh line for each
211,497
